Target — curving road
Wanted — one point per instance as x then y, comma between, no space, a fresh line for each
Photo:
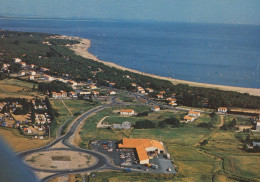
103,161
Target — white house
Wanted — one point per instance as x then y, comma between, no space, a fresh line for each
133,84
112,84
222,110
73,83
156,108
44,69
159,96
111,92
72,94
149,90
124,125
189,118
22,73
17,60
31,77
92,87
194,113
33,73
23,64
47,77
128,112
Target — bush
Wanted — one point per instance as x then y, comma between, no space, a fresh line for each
144,124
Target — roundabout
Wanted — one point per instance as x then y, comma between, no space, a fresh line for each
61,160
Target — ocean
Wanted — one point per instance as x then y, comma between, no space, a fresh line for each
207,53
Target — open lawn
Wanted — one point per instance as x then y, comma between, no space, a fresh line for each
220,160
62,110
79,105
19,143
17,88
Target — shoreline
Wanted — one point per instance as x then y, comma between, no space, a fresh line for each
81,49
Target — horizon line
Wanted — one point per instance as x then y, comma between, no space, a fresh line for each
114,20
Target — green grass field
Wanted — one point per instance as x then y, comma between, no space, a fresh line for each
220,160
17,88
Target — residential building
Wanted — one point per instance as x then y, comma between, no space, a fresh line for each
128,112
149,90
31,77
189,118
33,73
172,103
22,73
22,64
194,113
124,125
111,92
95,93
72,94
133,84
159,96
63,93
92,87
72,83
112,84
156,108
17,60
222,110
47,77
44,69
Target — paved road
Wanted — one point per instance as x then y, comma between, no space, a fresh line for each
103,161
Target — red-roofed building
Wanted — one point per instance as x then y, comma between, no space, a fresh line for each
142,147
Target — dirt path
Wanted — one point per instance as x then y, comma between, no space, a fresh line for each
100,125
67,107
221,121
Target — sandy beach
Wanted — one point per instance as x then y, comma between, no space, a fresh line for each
82,50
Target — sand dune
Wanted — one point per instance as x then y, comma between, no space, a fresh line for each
82,50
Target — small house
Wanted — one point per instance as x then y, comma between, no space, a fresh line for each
112,84
156,108
222,110
22,64
189,118
149,90
194,113
17,60
72,94
92,86
31,77
47,77
44,69
133,84
111,92
159,96
127,112
33,73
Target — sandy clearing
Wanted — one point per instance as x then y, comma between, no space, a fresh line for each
45,160
19,143
82,50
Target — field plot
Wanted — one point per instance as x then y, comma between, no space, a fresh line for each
17,88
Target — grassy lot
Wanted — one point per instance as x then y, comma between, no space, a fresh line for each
236,161
20,143
17,88
62,110
80,105
220,160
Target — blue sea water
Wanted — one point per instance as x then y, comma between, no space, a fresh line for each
208,53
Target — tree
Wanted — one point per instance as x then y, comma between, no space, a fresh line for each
144,124
32,113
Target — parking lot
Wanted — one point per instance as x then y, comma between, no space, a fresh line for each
127,158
